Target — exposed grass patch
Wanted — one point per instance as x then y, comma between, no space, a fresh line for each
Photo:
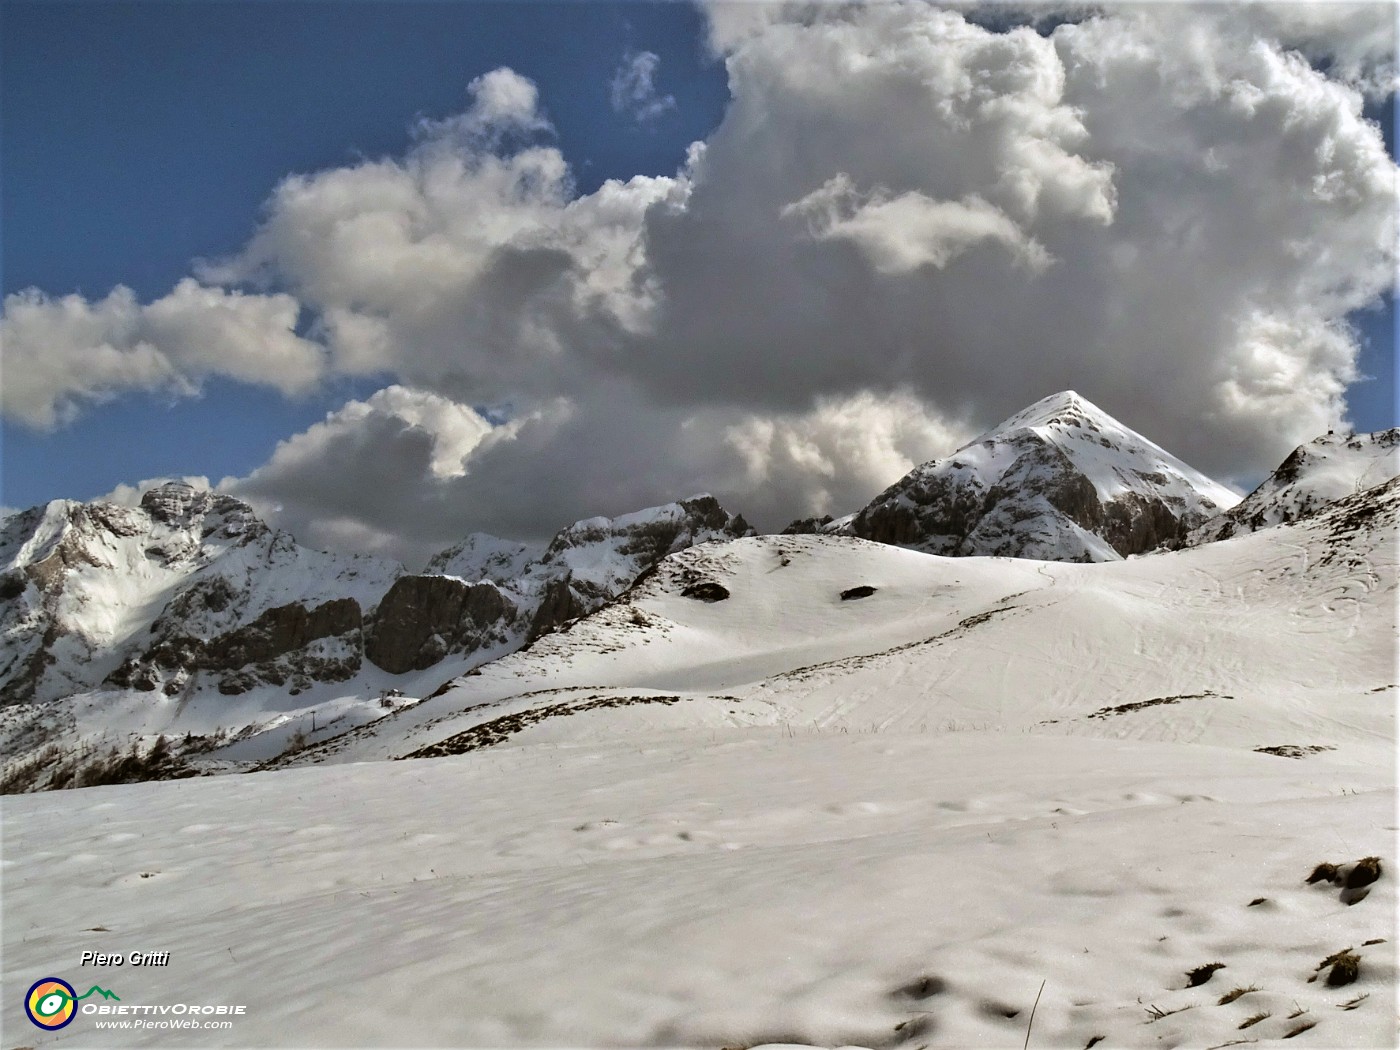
1352,1004
706,591
1367,871
1254,1019
1201,974
1235,993
1123,709
1299,1029
1323,872
1346,965
498,730
1294,750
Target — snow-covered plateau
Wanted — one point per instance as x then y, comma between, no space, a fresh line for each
799,789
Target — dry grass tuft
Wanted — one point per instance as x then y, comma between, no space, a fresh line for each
1323,872
1346,964
1235,993
1249,1022
1156,1013
1367,871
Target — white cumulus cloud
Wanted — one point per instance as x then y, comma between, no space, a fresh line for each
911,221
61,354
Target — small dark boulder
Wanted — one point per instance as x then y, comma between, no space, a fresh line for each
12,585
863,591
706,591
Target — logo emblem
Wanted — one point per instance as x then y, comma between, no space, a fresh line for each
51,1003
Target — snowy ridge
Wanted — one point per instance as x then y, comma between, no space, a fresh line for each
938,639
482,556
1061,480
190,616
1313,476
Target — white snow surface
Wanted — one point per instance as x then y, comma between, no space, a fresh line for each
880,821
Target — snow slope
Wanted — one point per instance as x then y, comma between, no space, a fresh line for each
788,817
482,556
1223,628
1325,469
1061,480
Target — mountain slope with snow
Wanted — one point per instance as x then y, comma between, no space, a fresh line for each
187,584
190,618
1314,475
801,790
1213,636
1059,481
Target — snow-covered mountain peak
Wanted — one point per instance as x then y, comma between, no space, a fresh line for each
1314,475
92,590
1067,409
179,505
1114,457
1061,480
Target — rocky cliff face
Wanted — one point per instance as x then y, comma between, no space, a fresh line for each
1311,479
190,586
489,594
1060,481
190,590
425,618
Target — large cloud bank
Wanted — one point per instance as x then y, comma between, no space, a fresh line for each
907,225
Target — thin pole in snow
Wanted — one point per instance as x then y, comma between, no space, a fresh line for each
1032,1020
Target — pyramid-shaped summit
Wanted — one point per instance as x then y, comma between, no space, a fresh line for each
1061,480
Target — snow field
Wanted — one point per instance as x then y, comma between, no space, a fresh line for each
750,887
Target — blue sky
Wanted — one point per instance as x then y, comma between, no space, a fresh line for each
141,138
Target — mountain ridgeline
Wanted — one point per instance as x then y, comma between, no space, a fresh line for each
190,591
189,614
